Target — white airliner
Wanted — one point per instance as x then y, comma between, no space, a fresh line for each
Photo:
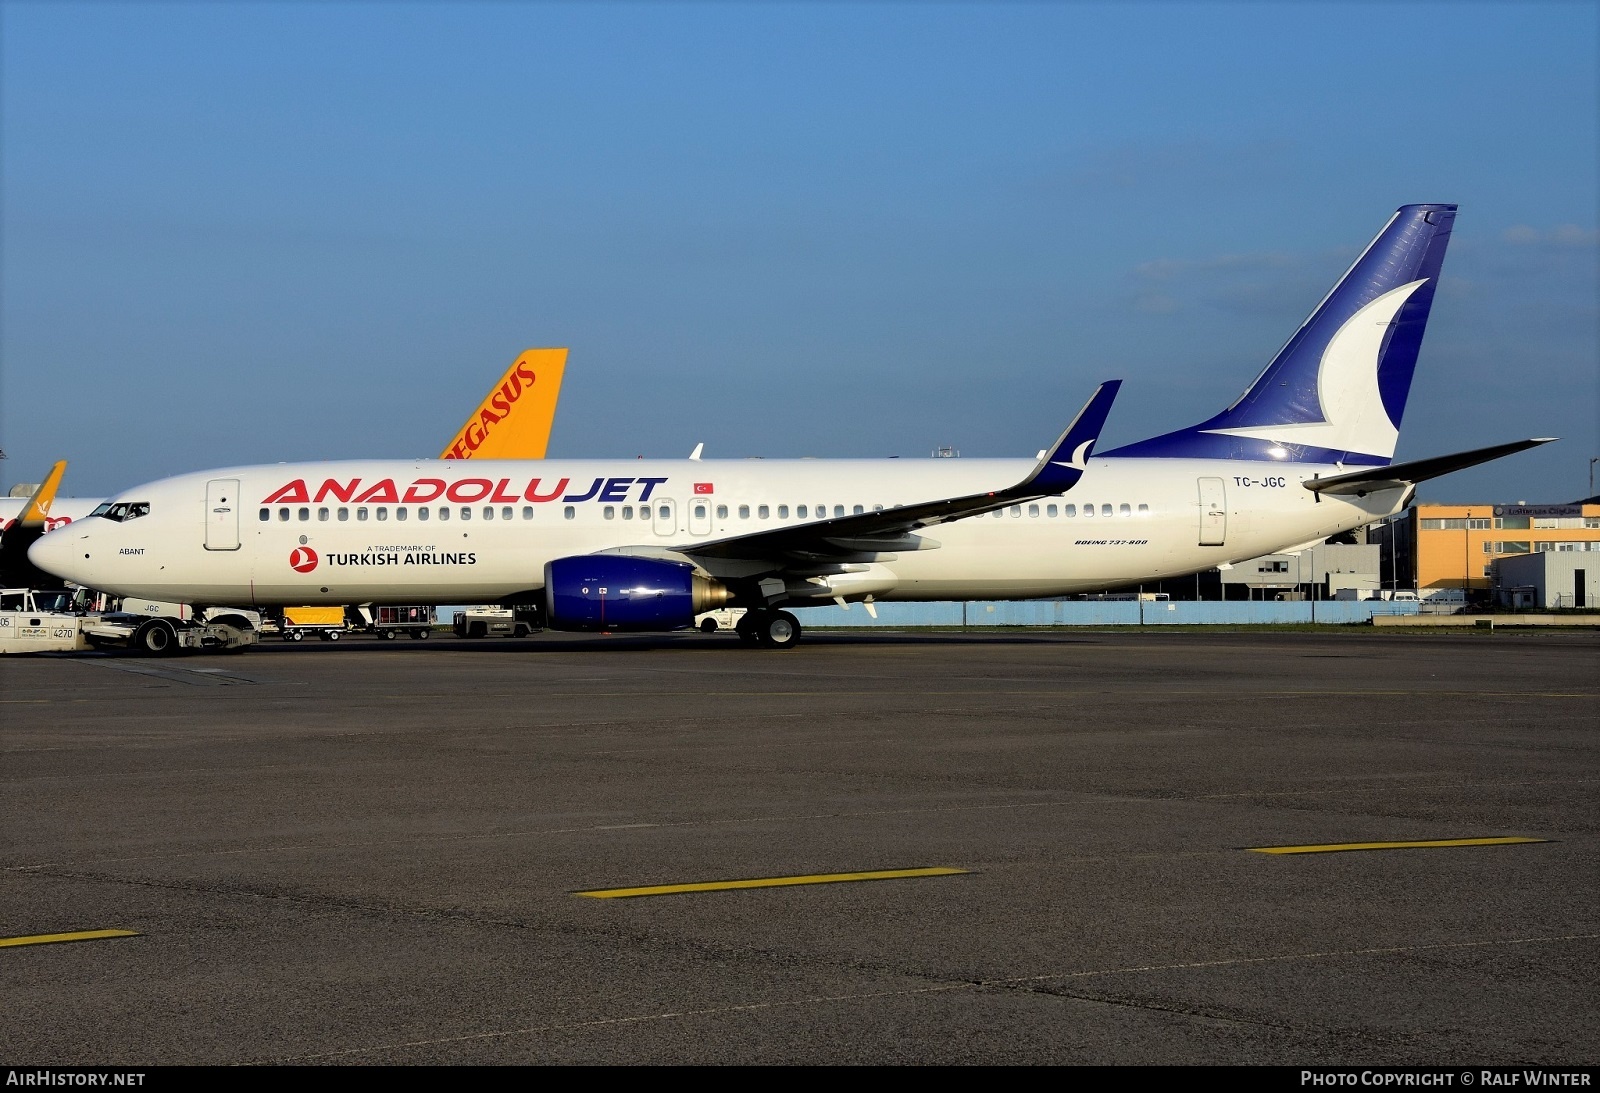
634,545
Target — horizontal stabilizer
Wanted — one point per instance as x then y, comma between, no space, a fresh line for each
1398,475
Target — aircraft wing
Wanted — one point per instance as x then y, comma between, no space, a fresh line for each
871,534
1398,475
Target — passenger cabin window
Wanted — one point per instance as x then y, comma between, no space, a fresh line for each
1105,510
763,512
382,513
800,511
722,512
838,510
466,513
422,513
304,514
744,512
1050,510
444,512
1070,510
344,514
361,512
322,515
266,514
570,512
527,512
610,512
1125,509
283,514
1033,510
400,514
783,512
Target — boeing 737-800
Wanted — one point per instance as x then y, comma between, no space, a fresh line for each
1305,453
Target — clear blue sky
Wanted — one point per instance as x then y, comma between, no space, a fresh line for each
243,233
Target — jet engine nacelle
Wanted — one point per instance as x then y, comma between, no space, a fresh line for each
616,592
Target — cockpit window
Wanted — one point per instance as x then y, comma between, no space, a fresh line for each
123,510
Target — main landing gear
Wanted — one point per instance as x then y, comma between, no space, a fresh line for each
768,629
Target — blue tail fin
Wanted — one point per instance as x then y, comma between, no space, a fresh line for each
1336,392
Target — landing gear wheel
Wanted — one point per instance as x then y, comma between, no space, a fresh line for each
779,630
156,638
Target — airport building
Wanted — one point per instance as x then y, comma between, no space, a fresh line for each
1321,572
1516,555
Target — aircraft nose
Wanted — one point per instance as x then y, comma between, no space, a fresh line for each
60,553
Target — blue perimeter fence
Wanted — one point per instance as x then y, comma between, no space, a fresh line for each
1107,613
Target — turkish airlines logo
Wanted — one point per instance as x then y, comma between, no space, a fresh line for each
702,487
302,559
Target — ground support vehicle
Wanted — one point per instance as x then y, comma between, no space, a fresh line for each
39,622
485,622
325,622
493,620
157,629
725,618
392,621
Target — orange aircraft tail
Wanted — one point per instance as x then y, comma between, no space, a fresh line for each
514,421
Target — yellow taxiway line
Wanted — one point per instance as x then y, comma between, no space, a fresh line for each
1331,848
766,882
81,935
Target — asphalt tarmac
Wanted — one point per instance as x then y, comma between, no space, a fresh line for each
369,852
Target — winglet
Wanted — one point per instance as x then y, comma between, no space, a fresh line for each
1062,466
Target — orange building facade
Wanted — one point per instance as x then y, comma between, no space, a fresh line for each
1431,547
